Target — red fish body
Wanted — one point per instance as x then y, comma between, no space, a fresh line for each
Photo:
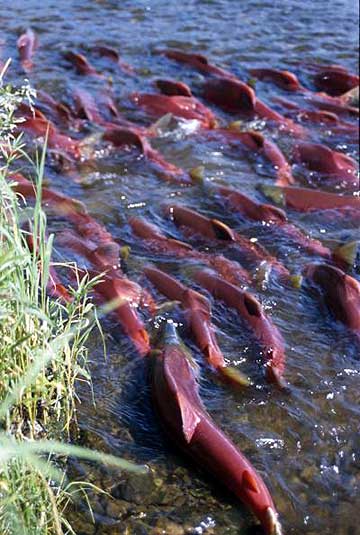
284,79
230,95
27,44
198,61
113,285
235,96
341,293
118,289
330,120
156,241
335,82
121,136
69,208
197,311
309,200
40,127
113,54
98,246
60,111
104,256
251,311
335,104
255,141
56,288
323,102
212,229
86,107
180,106
173,88
251,209
82,65
176,396
336,165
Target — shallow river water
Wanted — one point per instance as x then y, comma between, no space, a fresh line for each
304,442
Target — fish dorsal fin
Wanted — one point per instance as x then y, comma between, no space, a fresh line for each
249,481
252,305
180,243
190,419
257,138
274,213
222,231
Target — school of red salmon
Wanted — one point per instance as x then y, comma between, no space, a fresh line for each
332,102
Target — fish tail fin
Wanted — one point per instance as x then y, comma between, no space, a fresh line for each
347,252
274,193
234,376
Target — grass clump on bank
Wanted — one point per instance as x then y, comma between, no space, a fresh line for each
43,354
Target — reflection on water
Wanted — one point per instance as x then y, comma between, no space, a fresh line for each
305,443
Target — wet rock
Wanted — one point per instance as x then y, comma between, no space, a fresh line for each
309,473
138,488
170,494
81,525
167,527
116,508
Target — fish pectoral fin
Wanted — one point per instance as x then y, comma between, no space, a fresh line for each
249,481
190,419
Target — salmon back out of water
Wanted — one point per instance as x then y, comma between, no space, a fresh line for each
71,209
284,79
126,296
213,229
156,241
198,61
176,396
339,105
197,312
252,312
60,111
113,55
185,107
335,82
102,256
235,96
328,162
341,293
41,127
309,200
173,88
81,64
27,44
131,137
231,95
275,217
258,143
